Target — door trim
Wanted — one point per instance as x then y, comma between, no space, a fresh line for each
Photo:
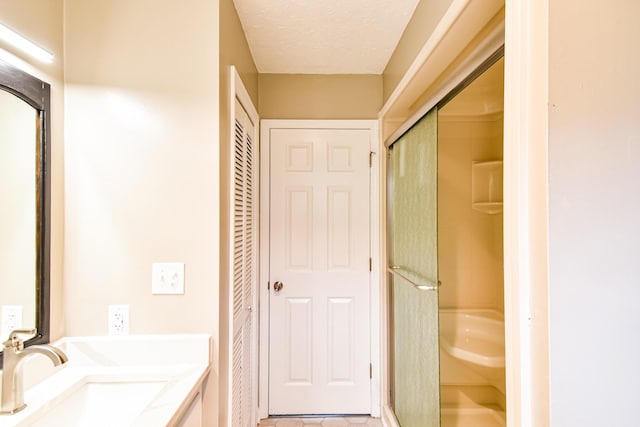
374,232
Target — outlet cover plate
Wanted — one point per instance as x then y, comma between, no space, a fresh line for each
167,278
118,320
11,319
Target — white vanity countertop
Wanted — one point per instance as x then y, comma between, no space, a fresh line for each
173,366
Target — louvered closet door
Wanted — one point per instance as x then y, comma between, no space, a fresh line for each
244,271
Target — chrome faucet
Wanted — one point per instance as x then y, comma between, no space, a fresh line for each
14,354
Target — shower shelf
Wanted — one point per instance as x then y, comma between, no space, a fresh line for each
486,186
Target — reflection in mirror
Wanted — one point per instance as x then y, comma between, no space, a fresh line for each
17,214
25,207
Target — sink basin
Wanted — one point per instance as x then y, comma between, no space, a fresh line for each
132,381
104,399
99,401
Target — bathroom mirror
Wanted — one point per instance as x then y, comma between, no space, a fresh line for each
25,208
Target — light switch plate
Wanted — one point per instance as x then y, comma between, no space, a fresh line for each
167,278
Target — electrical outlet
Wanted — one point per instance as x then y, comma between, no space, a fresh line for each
118,319
167,278
11,319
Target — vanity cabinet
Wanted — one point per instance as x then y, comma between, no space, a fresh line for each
193,415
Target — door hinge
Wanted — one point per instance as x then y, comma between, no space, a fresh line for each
370,371
370,265
371,154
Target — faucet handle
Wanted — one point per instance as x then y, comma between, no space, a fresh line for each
15,341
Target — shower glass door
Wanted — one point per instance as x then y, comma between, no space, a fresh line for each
413,274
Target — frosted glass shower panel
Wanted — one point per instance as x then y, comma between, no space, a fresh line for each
413,248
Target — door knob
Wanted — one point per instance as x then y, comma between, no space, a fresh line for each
278,286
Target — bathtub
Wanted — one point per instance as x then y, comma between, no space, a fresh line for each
472,348
475,336
472,374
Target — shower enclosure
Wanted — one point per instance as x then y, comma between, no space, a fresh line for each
413,270
447,344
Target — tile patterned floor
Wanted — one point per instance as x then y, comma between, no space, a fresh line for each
354,421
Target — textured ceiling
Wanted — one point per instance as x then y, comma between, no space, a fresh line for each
323,36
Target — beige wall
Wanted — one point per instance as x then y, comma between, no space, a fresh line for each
142,166
424,20
311,96
594,206
41,22
234,50
469,241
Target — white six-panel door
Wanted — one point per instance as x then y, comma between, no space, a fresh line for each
319,321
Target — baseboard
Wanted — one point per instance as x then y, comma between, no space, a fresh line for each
388,417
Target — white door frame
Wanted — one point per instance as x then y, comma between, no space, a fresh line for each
374,231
